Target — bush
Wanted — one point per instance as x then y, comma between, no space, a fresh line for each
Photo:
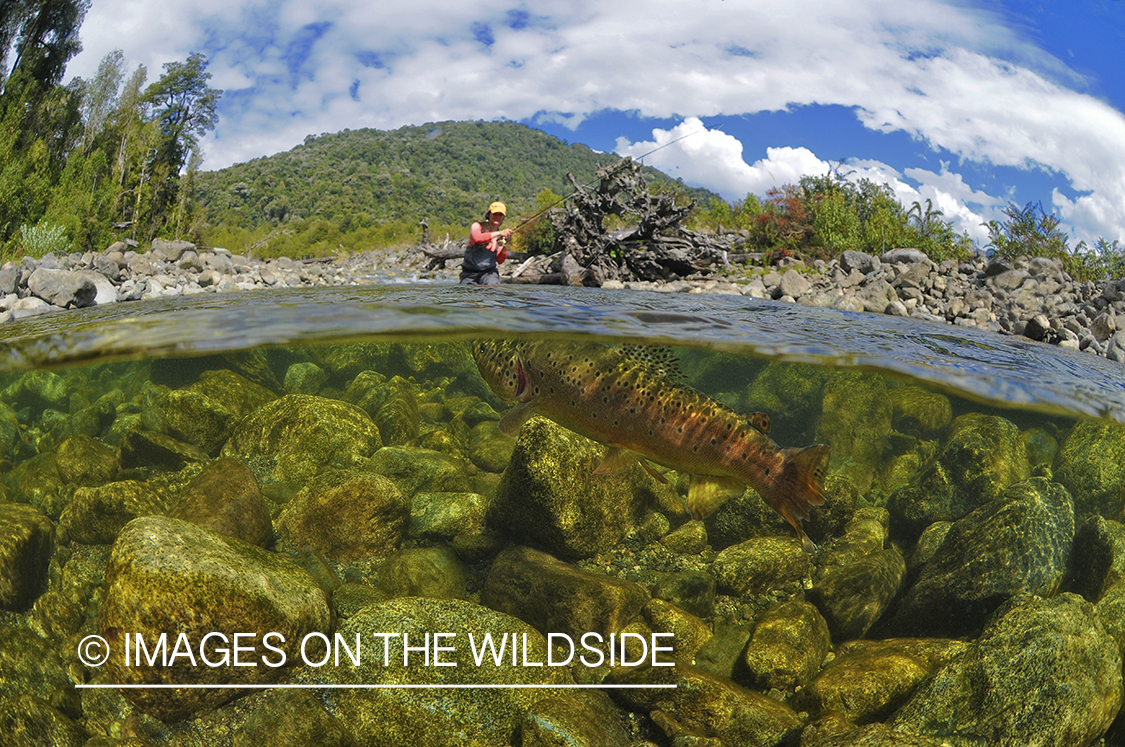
43,239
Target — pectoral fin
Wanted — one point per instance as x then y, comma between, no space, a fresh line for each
513,419
618,460
706,493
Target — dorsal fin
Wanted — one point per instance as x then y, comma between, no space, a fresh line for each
657,357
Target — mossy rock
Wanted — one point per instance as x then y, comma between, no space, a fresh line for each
919,412
26,543
198,419
96,516
1091,464
433,572
437,717
787,648
296,436
225,498
689,633
447,514
37,481
85,461
292,717
304,378
233,392
760,565
169,576
790,394
855,420
346,515
418,470
587,718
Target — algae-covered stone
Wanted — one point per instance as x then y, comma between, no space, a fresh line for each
299,434
787,648
304,378
37,481
434,572
438,717
146,448
397,417
95,516
1091,464
790,394
981,457
708,705
26,542
349,598
38,390
231,391
760,565
556,597
1020,542
550,497
585,719
859,577
855,420
722,655
9,431
873,735
1045,672
693,591
421,470
1099,557
166,576
289,718
84,460
447,514
225,498
346,515
490,449
689,632
37,704
688,539
869,680
919,411
1111,611
198,419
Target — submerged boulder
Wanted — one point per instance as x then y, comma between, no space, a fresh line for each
26,543
225,498
168,577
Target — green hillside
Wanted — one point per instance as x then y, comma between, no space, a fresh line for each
373,186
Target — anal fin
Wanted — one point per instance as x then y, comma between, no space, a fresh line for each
706,493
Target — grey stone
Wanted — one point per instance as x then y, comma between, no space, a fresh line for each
859,262
62,288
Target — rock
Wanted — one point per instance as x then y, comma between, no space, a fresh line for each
299,434
587,719
225,499
86,461
980,458
97,515
1037,327
197,419
1099,558
1091,464
693,591
787,647
873,735
687,539
490,449
860,577
869,680
790,395
447,514
918,411
903,256
397,417
554,596
793,284
432,572
36,706
550,497
292,717
145,448
859,262
27,539
437,718
38,390
105,292
418,470
855,421
166,576
232,391
1045,672
170,251
9,431
708,705
1020,542
760,565
346,515
37,482
688,631
62,288
304,378
10,279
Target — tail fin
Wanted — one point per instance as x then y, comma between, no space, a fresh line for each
800,486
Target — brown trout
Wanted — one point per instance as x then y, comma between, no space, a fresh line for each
639,412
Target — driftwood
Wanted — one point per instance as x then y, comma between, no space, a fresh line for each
439,255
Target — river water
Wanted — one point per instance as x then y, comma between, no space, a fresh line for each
131,389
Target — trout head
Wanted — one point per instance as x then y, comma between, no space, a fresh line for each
502,368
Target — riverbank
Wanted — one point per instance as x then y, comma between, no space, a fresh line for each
1033,298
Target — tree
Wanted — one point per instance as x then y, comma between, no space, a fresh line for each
1027,232
184,108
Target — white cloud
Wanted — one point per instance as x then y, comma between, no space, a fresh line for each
949,75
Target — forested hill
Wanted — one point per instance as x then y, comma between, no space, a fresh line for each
447,172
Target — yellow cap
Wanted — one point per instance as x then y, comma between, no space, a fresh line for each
498,207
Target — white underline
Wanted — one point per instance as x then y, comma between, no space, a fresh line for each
228,686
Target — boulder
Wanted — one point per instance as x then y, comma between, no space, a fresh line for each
27,539
225,498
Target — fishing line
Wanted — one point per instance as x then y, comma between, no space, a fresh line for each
534,216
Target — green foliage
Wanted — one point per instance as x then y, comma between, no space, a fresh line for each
1028,232
37,241
538,234
447,172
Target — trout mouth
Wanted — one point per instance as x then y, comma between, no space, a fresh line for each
521,382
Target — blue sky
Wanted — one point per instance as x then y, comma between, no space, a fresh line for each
969,103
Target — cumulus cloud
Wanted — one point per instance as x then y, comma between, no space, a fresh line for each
949,75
